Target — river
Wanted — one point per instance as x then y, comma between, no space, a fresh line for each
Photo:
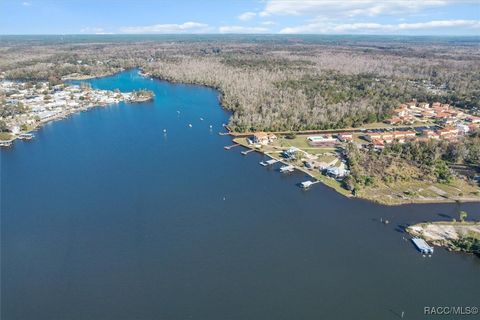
103,216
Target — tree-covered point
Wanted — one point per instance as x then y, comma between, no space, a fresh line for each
468,244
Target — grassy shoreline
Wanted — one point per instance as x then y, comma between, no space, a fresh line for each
370,194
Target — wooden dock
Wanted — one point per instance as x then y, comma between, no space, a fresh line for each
232,146
307,184
245,152
287,169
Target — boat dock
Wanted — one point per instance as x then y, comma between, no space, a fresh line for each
268,162
422,246
288,168
230,147
224,133
307,184
6,143
26,136
245,152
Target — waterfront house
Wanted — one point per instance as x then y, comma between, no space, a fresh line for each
337,172
263,137
290,153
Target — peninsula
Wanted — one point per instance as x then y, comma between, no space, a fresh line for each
461,236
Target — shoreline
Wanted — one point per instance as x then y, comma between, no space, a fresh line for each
237,136
125,98
447,234
346,193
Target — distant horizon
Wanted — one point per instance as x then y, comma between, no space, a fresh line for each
329,17
245,34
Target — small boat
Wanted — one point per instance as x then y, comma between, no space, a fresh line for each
190,125
164,130
263,163
201,119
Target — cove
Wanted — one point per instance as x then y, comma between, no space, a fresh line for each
103,216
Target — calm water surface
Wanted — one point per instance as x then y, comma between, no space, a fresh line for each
105,217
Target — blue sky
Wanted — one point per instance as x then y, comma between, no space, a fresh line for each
402,17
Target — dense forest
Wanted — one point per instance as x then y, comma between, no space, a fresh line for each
274,83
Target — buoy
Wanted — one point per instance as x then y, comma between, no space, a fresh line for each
224,198
164,130
211,126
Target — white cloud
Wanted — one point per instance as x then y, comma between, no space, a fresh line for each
268,23
187,27
440,24
323,27
26,4
247,16
241,29
351,8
